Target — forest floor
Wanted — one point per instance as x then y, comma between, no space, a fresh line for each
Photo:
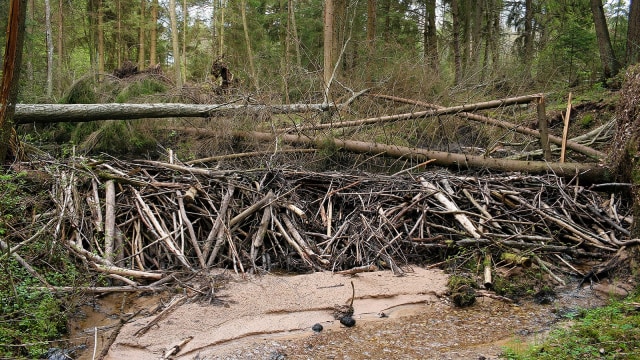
270,317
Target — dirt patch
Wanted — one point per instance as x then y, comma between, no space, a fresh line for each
270,306
270,317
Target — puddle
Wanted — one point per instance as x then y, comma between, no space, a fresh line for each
270,317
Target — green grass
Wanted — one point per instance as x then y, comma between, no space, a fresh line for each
611,332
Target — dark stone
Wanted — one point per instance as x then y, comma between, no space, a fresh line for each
348,321
317,328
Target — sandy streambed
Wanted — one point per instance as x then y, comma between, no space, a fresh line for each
270,317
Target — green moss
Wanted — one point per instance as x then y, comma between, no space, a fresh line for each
463,290
140,88
611,332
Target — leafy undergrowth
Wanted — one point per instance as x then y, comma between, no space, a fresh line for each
611,332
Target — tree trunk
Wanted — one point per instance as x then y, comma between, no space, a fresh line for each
141,37
49,42
588,173
185,14
371,25
327,47
609,62
528,36
60,43
174,43
100,38
50,113
457,57
430,35
153,42
247,40
11,75
294,29
633,33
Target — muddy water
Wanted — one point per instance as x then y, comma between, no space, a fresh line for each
399,318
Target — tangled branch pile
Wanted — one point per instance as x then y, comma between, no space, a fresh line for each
169,217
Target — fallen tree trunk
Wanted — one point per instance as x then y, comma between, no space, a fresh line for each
51,113
588,172
506,125
427,113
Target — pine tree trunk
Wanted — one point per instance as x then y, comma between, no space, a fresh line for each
11,74
174,43
633,33
141,37
49,42
609,62
153,42
247,40
100,38
60,42
430,35
328,46
457,57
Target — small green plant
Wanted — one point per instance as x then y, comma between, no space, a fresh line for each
611,332
586,120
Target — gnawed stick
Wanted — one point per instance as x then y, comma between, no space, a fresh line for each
488,281
192,233
176,348
293,244
251,209
127,272
109,219
305,247
358,269
105,289
258,238
482,209
450,205
175,302
218,222
161,232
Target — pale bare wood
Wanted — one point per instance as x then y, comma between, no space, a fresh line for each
213,234
192,234
565,130
110,219
358,269
258,238
450,205
168,240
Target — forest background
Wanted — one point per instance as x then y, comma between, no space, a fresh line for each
281,52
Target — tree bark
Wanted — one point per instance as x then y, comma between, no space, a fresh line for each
528,36
49,42
174,43
60,42
50,113
100,38
633,33
153,42
11,74
141,37
610,64
247,40
327,47
457,57
587,173
430,35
